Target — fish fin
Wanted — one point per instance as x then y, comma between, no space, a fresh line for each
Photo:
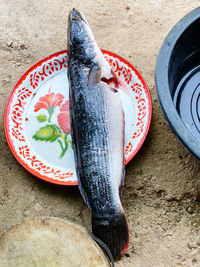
82,191
76,161
94,76
113,231
115,83
122,178
119,84
121,186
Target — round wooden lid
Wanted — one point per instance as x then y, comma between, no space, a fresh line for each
49,242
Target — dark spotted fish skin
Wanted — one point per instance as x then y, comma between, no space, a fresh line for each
97,123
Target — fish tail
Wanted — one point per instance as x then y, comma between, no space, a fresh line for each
113,232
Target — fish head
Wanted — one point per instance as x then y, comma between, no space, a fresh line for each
83,48
81,42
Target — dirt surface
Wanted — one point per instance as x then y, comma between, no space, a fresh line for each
162,192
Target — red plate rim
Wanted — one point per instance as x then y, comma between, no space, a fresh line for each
9,101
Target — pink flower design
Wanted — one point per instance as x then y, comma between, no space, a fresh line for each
64,117
49,100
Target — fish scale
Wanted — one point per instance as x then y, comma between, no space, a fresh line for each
97,127
104,159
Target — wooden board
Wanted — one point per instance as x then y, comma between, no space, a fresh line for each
51,242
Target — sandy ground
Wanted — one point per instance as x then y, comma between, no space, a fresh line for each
162,191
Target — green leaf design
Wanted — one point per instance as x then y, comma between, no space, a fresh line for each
41,118
49,133
51,111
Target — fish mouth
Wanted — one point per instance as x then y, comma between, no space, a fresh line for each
76,25
75,14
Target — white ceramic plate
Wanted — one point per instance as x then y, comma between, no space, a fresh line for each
37,117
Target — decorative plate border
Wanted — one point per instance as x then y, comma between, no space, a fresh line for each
39,73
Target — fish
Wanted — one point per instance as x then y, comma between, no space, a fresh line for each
97,129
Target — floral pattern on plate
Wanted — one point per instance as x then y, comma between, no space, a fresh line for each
37,119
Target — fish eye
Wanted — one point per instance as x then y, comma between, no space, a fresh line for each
75,18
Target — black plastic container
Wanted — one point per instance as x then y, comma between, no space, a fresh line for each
178,80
